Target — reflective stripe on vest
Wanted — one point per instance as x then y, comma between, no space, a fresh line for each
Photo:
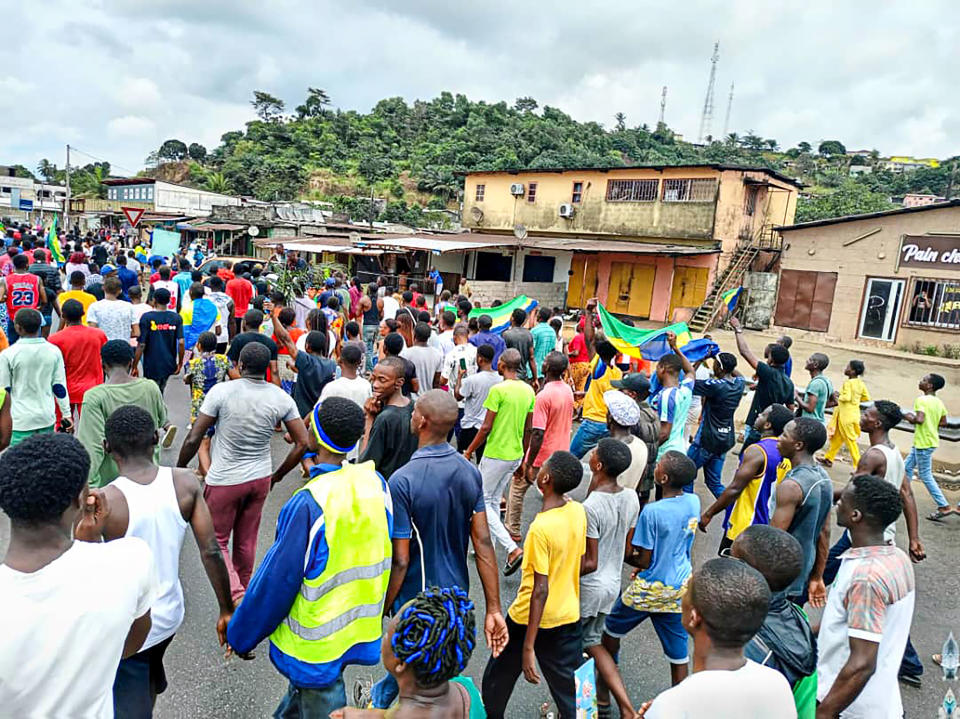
343,606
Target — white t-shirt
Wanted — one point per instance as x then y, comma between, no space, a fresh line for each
751,692
357,389
428,362
451,364
114,317
631,476
64,627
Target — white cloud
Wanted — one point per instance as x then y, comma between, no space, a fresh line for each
130,75
131,126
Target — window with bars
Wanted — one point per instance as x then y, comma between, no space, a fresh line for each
934,303
689,190
577,195
532,192
478,197
632,190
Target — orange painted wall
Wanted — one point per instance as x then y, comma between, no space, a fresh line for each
663,282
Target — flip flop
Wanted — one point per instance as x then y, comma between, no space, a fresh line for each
169,436
937,659
512,566
937,516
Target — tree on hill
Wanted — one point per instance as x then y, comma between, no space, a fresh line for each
315,105
831,148
850,198
621,122
197,152
525,104
173,150
47,170
267,107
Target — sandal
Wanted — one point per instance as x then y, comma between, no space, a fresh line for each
825,462
512,566
936,515
937,659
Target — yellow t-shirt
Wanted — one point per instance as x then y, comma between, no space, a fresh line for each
84,298
927,435
594,408
555,543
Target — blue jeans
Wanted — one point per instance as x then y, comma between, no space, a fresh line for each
922,459
589,433
303,703
712,468
370,333
910,664
384,692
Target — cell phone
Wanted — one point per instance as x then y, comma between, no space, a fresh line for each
463,364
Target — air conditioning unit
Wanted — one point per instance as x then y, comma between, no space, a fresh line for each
566,210
517,188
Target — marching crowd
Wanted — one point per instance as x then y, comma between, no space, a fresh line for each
418,427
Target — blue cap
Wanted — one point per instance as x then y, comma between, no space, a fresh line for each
107,268
330,282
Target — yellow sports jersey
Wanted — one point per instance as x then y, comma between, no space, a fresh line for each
755,504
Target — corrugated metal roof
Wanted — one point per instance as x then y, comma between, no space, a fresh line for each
869,215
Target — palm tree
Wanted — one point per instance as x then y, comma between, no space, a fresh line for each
47,169
217,182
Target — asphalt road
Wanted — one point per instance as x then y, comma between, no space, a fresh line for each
203,683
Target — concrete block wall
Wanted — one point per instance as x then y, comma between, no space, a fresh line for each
551,294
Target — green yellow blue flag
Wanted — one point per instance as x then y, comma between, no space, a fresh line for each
730,298
501,314
651,344
53,243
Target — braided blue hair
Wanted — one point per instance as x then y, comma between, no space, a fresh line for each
436,634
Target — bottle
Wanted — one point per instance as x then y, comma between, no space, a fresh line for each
950,658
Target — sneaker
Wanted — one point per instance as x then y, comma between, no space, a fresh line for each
910,680
169,436
361,695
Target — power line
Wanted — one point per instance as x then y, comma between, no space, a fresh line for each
74,148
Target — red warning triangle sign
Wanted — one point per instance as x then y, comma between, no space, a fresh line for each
133,214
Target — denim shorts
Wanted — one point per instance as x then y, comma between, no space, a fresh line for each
668,626
592,629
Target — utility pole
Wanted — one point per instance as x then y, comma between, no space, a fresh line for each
663,104
707,118
66,202
726,121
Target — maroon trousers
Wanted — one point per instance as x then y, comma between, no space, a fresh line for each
236,509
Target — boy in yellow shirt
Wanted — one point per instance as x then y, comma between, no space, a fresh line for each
929,414
544,620
76,292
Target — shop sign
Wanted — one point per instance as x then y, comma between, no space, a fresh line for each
930,251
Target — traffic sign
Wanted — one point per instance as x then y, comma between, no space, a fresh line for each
26,205
133,215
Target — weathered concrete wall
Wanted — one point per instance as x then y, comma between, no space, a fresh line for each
761,299
551,294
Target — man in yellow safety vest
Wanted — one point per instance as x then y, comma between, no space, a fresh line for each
319,592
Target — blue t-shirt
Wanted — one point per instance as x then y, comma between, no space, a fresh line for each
667,527
435,496
672,405
492,339
721,397
128,278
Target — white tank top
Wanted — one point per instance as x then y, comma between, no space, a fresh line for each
155,518
390,307
893,475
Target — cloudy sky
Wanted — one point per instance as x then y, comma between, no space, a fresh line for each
115,78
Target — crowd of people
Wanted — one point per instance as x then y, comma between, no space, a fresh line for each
417,428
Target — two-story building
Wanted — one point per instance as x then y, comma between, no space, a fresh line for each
166,197
645,240
26,199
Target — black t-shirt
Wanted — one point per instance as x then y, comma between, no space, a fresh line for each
245,338
99,254
391,442
313,373
409,372
773,387
160,335
721,397
520,339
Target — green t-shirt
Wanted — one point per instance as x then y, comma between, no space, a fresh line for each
821,388
544,342
512,400
926,435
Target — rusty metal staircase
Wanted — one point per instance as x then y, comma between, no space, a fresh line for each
732,276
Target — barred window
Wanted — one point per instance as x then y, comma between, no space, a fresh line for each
632,190
689,190
480,190
935,303
577,195
532,192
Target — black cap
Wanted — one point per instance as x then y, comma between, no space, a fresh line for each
635,382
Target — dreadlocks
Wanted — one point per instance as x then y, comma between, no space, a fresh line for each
435,635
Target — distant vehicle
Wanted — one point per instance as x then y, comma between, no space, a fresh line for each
219,260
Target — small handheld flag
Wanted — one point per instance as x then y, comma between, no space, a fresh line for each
730,298
53,243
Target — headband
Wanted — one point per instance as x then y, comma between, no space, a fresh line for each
323,439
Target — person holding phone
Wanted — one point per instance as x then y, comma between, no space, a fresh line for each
461,359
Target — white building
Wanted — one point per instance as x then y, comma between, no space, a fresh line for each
166,197
23,198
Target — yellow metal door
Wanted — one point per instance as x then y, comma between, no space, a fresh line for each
631,289
583,282
689,287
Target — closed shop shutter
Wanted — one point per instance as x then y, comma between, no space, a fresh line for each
805,299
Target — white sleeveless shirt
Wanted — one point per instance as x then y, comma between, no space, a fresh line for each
893,475
155,517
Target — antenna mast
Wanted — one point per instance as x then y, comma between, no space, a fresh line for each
707,118
663,104
726,121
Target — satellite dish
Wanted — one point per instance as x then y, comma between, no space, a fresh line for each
253,230
520,232
477,214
